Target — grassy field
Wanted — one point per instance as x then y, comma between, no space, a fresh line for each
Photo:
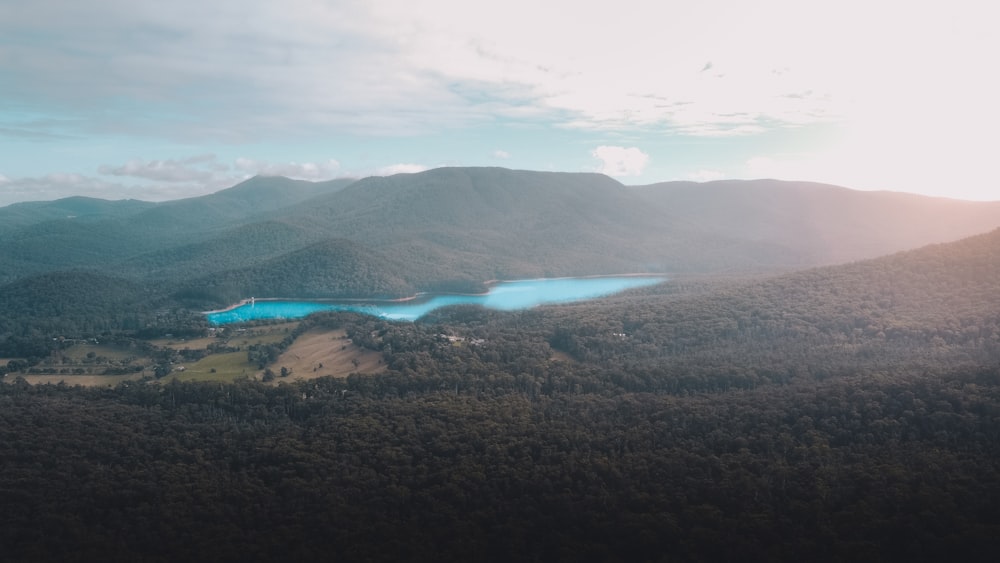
216,367
84,380
316,353
81,352
79,362
268,334
319,353
181,344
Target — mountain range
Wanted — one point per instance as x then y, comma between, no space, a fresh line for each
454,228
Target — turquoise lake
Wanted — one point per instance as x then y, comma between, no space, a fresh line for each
504,296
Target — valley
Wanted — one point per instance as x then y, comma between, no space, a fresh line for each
817,379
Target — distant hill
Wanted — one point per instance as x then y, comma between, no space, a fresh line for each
333,268
812,224
454,228
491,220
79,208
229,249
936,304
544,223
247,199
51,237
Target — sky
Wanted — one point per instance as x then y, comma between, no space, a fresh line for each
159,100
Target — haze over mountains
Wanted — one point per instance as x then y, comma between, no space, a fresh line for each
454,228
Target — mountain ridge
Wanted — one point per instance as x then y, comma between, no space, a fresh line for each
457,226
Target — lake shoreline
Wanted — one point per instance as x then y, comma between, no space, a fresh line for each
418,295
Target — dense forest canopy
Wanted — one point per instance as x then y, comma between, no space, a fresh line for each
847,412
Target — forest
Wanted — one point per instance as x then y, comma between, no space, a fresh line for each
845,413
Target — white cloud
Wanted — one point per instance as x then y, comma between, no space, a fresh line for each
298,170
256,69
60,185
201,168
255,72
501,154
620,161
402,168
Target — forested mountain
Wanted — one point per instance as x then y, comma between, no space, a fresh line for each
457,227
819,223
334,268
74,304
842,413
492,221
233,248
894,314
81,208
235,205
43,243
519,223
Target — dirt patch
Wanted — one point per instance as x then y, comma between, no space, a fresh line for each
319,353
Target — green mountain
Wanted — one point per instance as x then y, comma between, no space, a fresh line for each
495,222
847,412
156,238
73,303
333,268
453,228
230,249
79,208
487,222
234,205
808,223
936,305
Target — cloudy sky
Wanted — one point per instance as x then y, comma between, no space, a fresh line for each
156,100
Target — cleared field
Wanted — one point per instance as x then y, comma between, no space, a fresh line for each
316,353
84,380
241,337
180,344
227,367
320,353
80,352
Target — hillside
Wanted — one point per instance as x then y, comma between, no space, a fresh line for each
815,224
80,208
132,233
842,413
489,222
930,306
234,205
454,228
72,303
334,268
230,249
505,223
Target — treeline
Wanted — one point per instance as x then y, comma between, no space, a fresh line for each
40,311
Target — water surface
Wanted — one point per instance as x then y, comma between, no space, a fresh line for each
504,296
